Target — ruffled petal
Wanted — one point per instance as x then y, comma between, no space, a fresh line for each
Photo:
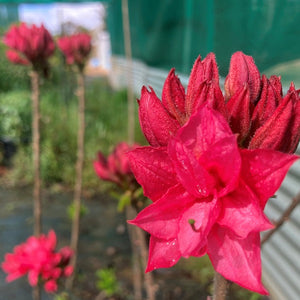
153,170
263,171
242,213
205,128
192,239
162,253
161,218
236,259
196,180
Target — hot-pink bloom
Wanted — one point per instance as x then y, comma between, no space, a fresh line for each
76,48
29,45
209,197
115,167
37,258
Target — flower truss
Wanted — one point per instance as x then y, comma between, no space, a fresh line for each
76,48
254,107
213,163
29,45
37,258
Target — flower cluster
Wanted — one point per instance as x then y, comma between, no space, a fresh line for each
254,107
212,165
115,167
37,258
29,45
76,48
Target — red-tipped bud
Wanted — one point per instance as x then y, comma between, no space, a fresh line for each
203,71
269,100
282,130
240,108
158,125
173,97
242,71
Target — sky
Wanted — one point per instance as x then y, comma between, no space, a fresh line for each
88,15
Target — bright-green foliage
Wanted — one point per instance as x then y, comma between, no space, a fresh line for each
107,281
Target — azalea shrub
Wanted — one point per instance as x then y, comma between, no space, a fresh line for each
38,259
213,162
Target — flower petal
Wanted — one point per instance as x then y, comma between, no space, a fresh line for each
162,253
156,122
161,218
242,213
153,170
205,128
236,259
196,180
263,171
192,239
224,161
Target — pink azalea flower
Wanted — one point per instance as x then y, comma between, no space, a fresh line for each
32,45
37,258
253,106
115,167
76,48
209,197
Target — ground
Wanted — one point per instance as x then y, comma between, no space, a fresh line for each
104,243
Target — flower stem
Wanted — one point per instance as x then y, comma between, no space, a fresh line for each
78,182
220,287
36,292
37,210
137,274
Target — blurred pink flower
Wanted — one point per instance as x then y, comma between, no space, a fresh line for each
37,258
29,45
76,48
115,167
209,197
253,106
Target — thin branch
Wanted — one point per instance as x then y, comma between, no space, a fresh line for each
137,274
37,210
151,288
128,54
285,216
78,182
220,287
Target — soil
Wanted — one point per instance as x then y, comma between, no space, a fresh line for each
104,243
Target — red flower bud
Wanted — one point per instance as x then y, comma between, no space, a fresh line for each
282,130
240,109
242,71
